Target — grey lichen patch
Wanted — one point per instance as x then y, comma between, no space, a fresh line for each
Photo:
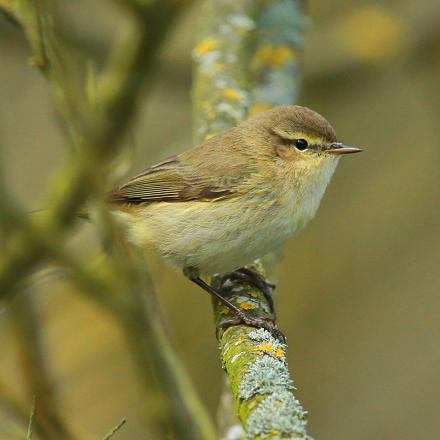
262,335
276,63
278,415
289,422
284,22
266,375
242,299
222,86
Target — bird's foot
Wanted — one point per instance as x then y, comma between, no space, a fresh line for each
253,277
251,321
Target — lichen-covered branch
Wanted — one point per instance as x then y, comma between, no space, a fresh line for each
221,93
276,61
256,365
246,62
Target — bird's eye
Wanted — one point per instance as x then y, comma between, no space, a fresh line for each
301,144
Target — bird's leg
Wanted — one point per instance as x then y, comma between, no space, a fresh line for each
240,317
207,288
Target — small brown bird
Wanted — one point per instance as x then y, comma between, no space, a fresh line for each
236,196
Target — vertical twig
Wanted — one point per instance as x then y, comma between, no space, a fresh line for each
121,283
11,405
176,406
30,430
247,59
48,422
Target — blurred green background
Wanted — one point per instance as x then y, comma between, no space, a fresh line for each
358,290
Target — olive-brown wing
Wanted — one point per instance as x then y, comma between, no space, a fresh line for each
174,181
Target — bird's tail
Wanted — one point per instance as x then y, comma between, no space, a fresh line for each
82,213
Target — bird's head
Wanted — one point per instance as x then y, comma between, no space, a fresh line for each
299,134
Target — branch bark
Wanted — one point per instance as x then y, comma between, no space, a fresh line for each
247,60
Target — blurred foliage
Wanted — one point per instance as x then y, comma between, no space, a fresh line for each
358,290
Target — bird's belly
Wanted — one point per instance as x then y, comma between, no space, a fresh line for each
219,236
236,244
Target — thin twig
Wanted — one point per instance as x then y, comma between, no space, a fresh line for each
99,138
38,381
12,405
114,430
174,403
131,64
31,420
9,9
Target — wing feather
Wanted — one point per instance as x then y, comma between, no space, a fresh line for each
171,181
218,168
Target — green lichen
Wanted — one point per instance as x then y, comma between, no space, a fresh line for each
262,385
238,352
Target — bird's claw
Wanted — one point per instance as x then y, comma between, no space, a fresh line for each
253,277
252,321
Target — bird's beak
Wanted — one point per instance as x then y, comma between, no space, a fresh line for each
338,148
